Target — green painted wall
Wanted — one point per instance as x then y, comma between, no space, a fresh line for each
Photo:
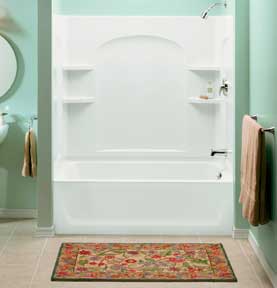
45,202
137,7
242,94
20,28
263,102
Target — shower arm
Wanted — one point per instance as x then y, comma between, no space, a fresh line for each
205,14
217,4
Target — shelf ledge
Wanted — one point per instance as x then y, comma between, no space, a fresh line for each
79,100
197,100
78,68
204,68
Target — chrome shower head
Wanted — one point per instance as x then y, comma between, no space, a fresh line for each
205,13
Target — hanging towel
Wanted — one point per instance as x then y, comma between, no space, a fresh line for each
253,196
30,155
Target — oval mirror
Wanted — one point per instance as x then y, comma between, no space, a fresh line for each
8,66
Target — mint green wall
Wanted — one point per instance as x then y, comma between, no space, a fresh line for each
20,29
45,202
263,102
242,94
136,7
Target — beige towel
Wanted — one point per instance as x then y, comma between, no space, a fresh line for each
253,197
30,155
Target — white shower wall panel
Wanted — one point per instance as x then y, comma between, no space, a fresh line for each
85,34
141,84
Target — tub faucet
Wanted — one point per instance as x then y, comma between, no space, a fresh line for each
224,152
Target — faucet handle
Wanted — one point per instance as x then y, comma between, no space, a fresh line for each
225,87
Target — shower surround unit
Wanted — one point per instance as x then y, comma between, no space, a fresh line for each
132,138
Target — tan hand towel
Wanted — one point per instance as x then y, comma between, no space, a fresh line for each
253,195
30,155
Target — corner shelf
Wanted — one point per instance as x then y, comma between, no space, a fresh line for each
78,68
80,100
197,100
204,68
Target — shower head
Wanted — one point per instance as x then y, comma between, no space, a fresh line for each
205,13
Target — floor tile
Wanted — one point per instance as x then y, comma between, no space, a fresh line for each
6,230
18,258
15,276
44,269
256,264
25,245
53,244
142,239
3,241
120,285
31,258
24,232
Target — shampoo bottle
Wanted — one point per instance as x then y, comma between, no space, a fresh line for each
210,89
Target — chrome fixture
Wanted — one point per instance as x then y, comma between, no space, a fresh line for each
270,130
205,13
224,152
254,117
225,87
219,176
31,121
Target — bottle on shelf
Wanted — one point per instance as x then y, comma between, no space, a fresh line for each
210,89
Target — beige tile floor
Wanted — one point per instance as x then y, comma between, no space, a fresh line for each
27,262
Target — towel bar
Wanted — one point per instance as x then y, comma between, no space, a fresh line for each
254,117
31,121
270,130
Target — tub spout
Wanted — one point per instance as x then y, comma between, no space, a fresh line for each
224,152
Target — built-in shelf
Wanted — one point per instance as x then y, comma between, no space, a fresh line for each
197,100
78,68
80,100
204,68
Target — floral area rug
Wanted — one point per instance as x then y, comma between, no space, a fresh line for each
143,262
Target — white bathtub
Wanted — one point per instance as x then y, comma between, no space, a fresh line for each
182,197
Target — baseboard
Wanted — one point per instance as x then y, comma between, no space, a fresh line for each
45,232
258,251
18,213
240,233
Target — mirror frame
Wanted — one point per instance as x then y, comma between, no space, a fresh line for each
8,65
